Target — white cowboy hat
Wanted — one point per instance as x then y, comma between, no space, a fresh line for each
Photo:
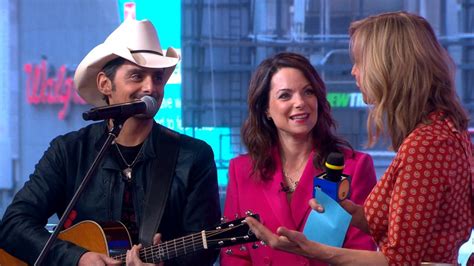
135,41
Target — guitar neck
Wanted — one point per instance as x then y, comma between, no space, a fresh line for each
171,249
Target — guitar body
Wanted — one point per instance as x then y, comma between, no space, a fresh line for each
108,238
7,260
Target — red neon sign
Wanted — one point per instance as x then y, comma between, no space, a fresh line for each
41,89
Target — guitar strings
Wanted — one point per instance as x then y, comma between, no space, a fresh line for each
176,250
163,248
156,253
179,247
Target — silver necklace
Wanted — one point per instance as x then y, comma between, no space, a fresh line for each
292,184
127,172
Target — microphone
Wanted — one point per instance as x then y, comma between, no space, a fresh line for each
145,107
333,182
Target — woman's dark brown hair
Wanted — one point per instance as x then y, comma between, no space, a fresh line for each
259,134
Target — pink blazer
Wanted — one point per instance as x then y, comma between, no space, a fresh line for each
266,199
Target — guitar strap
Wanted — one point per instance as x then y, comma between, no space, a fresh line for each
162,172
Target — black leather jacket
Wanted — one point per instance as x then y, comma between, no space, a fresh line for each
193,201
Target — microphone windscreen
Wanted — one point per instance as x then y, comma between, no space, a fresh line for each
151,106
334,166
335,160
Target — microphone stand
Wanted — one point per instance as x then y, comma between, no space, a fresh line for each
112,135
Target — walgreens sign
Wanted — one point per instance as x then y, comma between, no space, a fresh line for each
49,86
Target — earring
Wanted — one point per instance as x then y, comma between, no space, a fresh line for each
268,115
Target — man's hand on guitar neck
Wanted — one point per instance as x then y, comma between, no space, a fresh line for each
94,258
133,257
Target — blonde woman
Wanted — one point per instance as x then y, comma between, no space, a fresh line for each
422,208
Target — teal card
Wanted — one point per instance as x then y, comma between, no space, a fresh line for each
329,227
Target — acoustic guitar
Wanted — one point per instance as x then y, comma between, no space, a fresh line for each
113,239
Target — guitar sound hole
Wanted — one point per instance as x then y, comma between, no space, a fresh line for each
118,247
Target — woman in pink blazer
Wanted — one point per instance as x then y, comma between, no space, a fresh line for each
288,134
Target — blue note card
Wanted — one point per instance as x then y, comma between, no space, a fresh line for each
329,227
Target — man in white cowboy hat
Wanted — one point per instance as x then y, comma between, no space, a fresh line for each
146,160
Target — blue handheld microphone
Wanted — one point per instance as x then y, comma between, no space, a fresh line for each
333,182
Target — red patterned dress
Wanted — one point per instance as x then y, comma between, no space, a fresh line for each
421,209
